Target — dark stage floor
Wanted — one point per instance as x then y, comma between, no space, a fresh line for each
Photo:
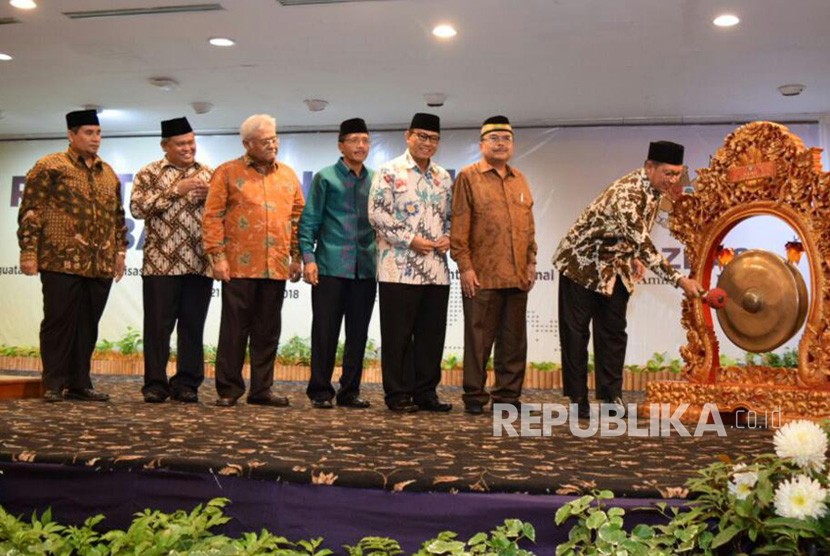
372,448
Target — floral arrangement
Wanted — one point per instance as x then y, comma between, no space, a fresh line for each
772,504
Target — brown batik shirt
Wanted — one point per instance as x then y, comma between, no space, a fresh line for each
173,223
493,231
71,219
613,231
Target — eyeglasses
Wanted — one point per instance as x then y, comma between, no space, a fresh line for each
358,141
267,141
425,138
496,139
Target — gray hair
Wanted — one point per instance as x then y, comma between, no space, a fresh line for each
253,123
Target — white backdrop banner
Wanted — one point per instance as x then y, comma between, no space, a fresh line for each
567,168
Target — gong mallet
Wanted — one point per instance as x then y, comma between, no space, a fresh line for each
715,298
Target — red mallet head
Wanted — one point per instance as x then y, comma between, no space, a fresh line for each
715,298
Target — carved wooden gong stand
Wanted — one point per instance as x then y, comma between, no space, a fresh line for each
762,169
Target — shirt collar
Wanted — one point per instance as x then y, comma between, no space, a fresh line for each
484,167
76,159
165,163
252,163
344,170
647,184
412,165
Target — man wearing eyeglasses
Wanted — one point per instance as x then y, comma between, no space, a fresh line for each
494,245
600,259
250,234
409,207
338,248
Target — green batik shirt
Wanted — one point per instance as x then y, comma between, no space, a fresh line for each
334,231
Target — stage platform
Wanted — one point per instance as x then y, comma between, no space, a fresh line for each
382,471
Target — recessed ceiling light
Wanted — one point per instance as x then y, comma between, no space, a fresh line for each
23,4
316,104
222,41
444,31
5,57
164,83
726,20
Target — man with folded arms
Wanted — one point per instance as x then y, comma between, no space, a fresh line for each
494,245
338,247
71,229
600,259
409,207
250,234
169,195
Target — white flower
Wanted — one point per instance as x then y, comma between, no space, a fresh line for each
742,483
802,441
801,498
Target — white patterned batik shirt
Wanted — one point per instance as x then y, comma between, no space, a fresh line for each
404,203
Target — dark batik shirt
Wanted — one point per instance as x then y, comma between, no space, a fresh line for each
71,219
614,230
173,223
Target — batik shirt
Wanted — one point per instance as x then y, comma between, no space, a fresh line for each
334,230
493,231
404,203
613,231
173,223
251,219
71,219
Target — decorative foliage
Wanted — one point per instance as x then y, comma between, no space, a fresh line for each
154,533
774,504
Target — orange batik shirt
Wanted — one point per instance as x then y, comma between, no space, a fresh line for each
251,219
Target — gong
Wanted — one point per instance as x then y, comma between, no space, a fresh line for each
766,301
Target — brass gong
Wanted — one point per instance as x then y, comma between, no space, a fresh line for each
766,301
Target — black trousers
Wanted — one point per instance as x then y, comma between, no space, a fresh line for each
495,316
579,307
334,300
181,302
413,326
72,308
251,311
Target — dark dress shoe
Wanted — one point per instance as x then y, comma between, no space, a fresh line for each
272,400
225,402
474,408
52,396
405,406
615,404
355,403
186,396
583,408
86,395
154,397
322,404
435,405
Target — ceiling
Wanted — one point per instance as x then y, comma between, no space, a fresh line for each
540,62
